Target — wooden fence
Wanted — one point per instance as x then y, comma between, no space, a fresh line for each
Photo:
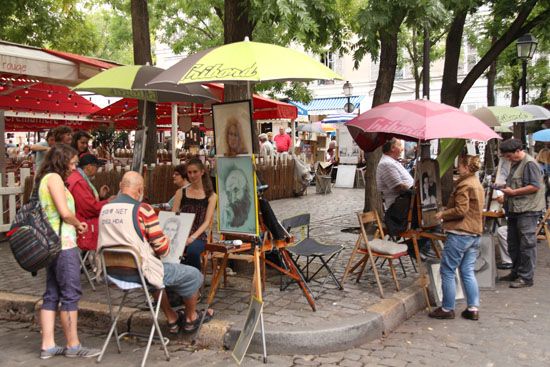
277,172
11,196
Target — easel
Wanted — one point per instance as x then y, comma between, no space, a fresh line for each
544,225
416,234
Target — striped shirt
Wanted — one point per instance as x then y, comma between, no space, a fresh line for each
389,175
152,232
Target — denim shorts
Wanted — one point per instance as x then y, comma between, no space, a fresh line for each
184,280
63,282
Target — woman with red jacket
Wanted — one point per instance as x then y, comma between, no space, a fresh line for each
87,199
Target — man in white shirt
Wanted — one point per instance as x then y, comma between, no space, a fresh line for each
391,176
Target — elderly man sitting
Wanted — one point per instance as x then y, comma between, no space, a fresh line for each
127,221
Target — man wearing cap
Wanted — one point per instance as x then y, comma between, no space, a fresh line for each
87,200
282,141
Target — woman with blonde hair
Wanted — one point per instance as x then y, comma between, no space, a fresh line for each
462,221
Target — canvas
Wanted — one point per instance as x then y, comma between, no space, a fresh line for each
177,228
250,325
237,206
233,128
429,186
435,282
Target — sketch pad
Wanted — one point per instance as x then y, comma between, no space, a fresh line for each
177,228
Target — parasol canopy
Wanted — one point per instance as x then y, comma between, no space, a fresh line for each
539,113
501,117
339,118
245,62
542,135
417,120
129,82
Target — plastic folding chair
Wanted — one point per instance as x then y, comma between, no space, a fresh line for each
123,257
311,249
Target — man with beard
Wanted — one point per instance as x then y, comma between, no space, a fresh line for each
238,198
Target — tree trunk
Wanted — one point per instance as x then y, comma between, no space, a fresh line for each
426,64
142,56
236,26
382,94
491,78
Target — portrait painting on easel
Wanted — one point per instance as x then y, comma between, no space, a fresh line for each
237,206
232,128
429,186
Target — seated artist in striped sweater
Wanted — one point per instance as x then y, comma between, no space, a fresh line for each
127,221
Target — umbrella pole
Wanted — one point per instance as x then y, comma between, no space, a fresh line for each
174,133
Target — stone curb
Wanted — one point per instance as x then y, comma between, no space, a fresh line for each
377,321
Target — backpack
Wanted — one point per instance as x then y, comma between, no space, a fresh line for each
34,243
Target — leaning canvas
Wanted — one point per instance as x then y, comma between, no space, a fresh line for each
237,206
177,228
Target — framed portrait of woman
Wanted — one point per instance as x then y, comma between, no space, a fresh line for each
233,128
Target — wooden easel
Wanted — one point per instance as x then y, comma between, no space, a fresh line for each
544,225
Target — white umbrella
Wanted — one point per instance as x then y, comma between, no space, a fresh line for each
338,118
539,112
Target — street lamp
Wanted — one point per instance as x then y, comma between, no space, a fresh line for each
526,46
348,91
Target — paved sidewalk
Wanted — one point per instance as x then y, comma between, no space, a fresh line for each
287,311
514,330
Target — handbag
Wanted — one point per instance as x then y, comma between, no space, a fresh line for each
33,242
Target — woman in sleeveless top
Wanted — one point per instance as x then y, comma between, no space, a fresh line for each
63,274
198,198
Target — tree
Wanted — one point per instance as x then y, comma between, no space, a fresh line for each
452,91
142,55
377,25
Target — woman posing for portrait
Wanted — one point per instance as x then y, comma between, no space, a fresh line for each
462,221
63,274
198,198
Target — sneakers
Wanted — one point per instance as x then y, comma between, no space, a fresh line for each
470,315
81,352
51,352
438,313
521,283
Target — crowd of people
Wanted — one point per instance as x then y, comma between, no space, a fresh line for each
89,219
523,198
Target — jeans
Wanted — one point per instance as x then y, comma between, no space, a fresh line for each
460,251
522,244
193,253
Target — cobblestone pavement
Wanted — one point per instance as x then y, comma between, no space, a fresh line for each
514,330
329,215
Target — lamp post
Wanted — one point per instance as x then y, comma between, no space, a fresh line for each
526,46
348,91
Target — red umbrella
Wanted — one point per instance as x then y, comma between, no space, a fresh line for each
415,120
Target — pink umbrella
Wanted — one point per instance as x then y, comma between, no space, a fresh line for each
415,120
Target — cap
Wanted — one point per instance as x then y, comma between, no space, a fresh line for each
288,130
90,159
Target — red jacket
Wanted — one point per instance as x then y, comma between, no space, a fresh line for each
87,209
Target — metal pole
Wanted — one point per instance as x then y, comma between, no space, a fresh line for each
524,81
426,64
174,132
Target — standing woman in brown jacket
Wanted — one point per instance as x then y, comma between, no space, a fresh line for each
462,221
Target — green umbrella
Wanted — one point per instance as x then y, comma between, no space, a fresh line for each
501,118
129,82
245,62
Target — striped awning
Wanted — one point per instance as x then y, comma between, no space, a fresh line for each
318,105
339,118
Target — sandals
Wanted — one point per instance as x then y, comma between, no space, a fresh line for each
191,327
175,327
